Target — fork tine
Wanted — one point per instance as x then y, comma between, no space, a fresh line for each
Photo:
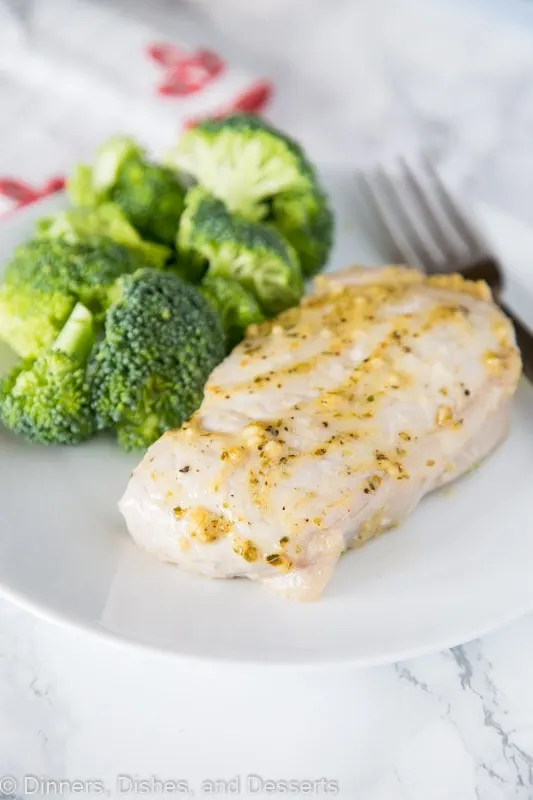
381,201
467,231
415,217
445,233
410,219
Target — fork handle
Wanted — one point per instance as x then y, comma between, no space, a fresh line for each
524,340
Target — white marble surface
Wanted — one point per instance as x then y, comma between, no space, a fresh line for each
451,726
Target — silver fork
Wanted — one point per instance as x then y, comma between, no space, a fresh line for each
431,231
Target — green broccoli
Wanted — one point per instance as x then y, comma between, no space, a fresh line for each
264,175
31,319
311,234
44,280
186,269
236,307
234,247
162,340
108,219
149,194
47,400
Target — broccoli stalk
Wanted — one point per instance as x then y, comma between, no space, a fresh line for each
47,400
77,337
30,319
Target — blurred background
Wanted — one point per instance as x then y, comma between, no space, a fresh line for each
356,80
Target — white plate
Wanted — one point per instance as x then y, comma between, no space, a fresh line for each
461,565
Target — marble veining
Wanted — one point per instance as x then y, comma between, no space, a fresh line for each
452,725
503,763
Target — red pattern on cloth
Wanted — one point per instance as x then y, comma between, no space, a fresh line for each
22,194
185,73
252,100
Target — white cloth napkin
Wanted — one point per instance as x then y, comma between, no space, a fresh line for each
75,72
356,82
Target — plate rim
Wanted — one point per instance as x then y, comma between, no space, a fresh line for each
83,625
105,636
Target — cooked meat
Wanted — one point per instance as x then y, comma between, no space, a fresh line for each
326,427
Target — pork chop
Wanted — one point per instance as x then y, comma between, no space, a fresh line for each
326,427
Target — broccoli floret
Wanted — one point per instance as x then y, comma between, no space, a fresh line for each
47,400
149,194
236,307
108,219
30,320
252,253
310,233
244,161
264,175
162,340
44,280
151,198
